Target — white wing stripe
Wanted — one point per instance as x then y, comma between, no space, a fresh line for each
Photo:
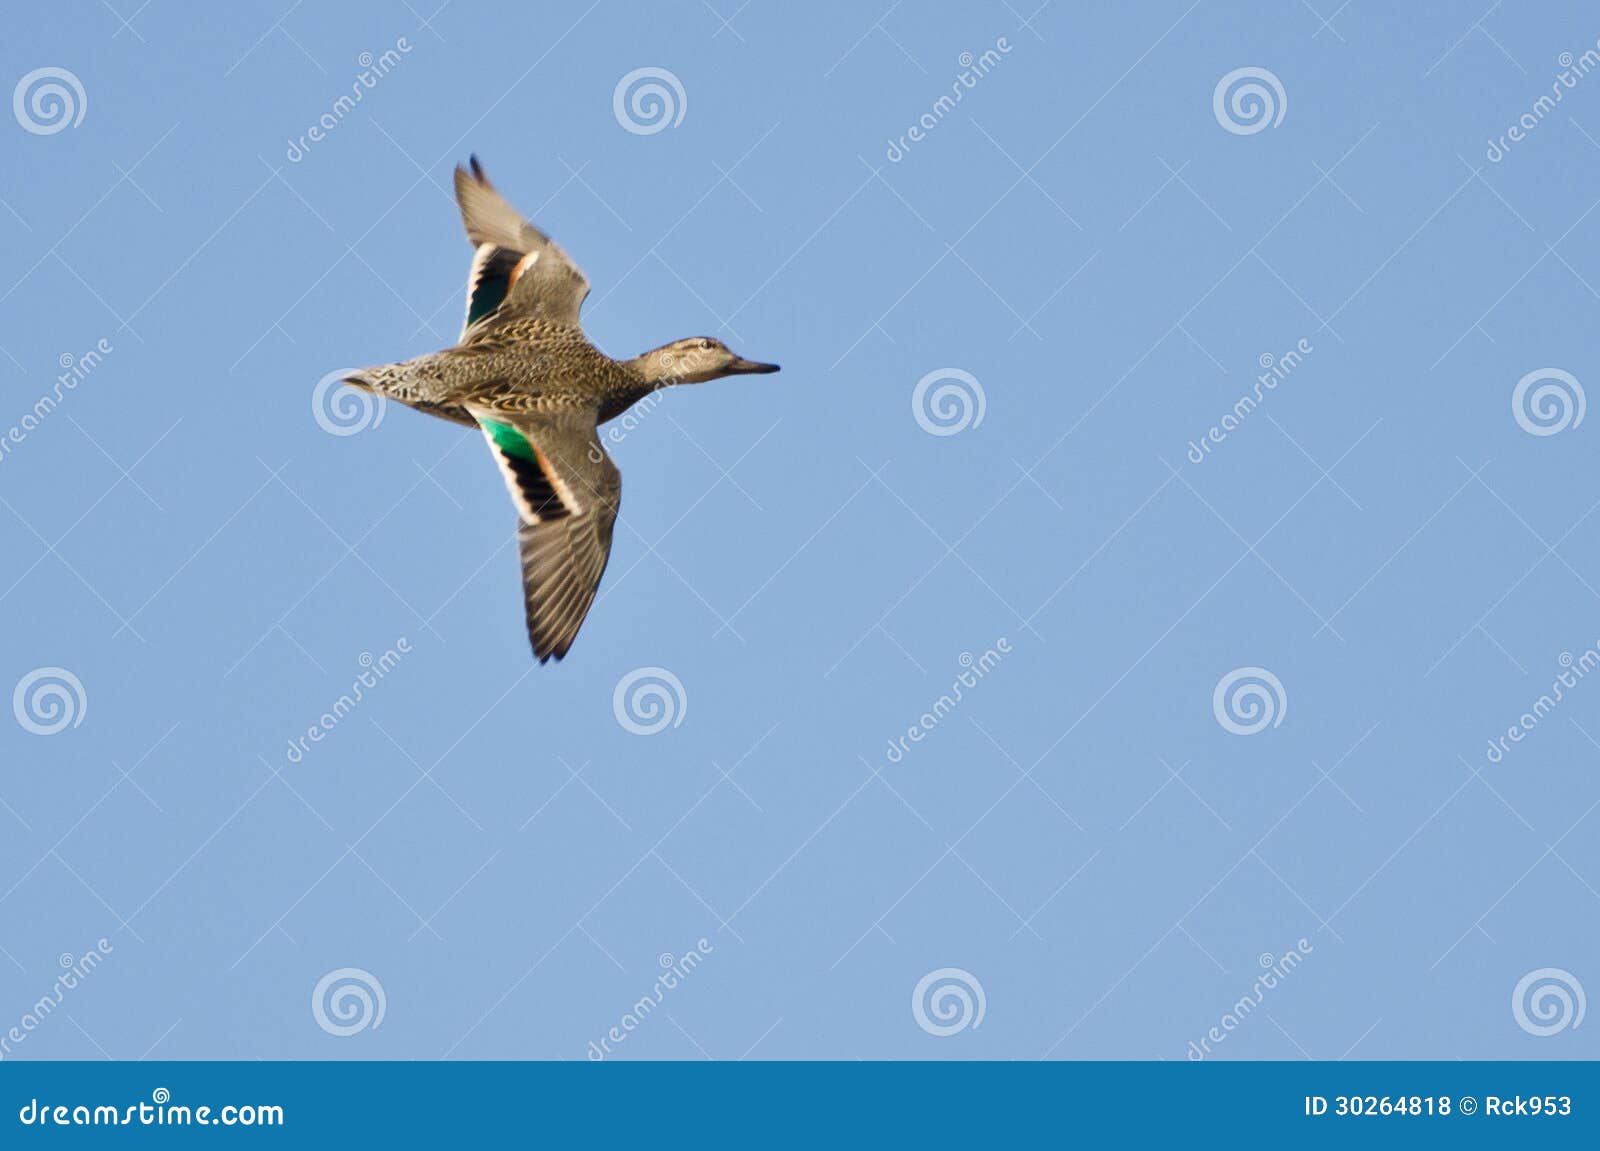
479,260
524,508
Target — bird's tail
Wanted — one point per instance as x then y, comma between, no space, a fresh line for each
380,380
414,383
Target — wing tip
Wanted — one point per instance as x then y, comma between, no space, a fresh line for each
545,650
554,639
472,173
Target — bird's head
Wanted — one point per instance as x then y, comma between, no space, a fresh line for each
698,359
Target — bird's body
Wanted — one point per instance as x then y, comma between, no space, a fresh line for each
520,366
525,373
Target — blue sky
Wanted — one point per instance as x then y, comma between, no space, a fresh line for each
1226,730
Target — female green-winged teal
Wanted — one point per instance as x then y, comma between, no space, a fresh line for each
526,374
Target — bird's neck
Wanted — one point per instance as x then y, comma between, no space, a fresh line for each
654,369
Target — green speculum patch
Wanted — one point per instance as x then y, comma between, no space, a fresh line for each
509,440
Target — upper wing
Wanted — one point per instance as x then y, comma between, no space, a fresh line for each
567,491
517,268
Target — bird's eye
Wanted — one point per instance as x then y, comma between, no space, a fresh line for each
706,345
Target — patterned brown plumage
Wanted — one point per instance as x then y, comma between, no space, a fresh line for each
525,373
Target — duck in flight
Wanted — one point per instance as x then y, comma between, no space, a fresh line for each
525,374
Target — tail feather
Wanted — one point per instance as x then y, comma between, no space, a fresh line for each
413,385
